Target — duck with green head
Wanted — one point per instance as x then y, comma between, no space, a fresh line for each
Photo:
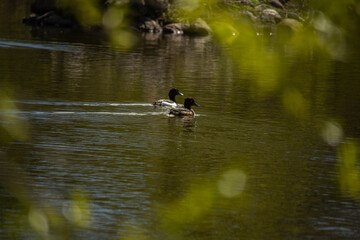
186,110
171,102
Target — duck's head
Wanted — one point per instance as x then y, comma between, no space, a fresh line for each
190,102
173,92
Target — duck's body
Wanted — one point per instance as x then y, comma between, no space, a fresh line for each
182,112
171,102
165,103
186,110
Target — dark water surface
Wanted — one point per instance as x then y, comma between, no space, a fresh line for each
243,168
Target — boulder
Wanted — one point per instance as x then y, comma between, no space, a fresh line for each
175,28
270,16
294,16
290,24
276,3
284,1
250,16
149,25
49,19
198,27
30,20
53,19
287,27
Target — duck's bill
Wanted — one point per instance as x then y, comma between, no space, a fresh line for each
181,94
195,104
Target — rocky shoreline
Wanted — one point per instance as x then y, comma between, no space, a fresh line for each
158,15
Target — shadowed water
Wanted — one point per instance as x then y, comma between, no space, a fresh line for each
243,168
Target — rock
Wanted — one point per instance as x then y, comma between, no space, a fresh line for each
259,8
294,16
30,20
249,15
284,1
53,19
287,27
270,16
276,3
149,25
175,28
245,2
198,27
49,19
290,25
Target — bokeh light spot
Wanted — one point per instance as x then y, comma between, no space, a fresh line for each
349,172
232,183
113,18
78,210
332,133
38,221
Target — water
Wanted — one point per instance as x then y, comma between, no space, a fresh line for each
243,168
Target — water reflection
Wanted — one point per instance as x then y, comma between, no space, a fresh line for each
188,122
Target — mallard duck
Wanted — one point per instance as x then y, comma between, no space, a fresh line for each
171,102
186,110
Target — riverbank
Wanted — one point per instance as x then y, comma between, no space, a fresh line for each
161,16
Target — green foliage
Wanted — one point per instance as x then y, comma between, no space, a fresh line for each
87,12
349,169
13,127
344,14
199,202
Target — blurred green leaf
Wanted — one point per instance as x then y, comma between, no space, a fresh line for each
87,12
349,169
11,121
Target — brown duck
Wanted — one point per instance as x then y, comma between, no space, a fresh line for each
186,110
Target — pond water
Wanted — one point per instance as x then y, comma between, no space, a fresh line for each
98,161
